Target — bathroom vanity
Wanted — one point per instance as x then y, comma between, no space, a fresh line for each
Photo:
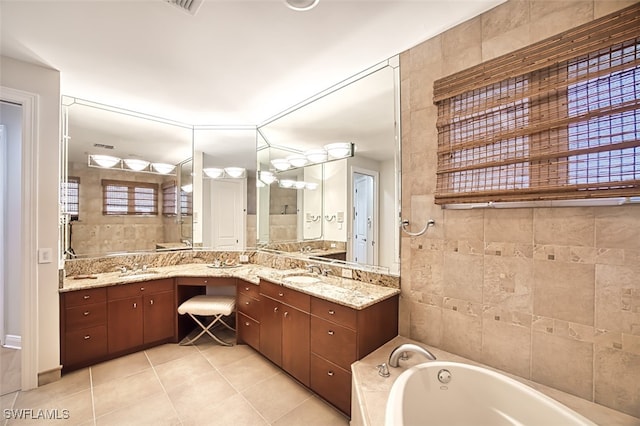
314,329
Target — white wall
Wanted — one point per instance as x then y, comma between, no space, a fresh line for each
388,245
46,84
11,117
335,190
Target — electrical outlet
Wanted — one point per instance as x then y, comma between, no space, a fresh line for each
244,258
45,255
333,245
347,273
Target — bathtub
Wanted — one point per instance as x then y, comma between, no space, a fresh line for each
451,393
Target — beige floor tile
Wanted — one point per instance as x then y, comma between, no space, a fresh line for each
234,411
290,395
10,370
173,373
195,396
169,352
247,371
119,367
69,384
221,356
75,409
7,400
156,410
124,392
312,412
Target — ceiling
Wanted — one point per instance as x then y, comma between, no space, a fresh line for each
234,62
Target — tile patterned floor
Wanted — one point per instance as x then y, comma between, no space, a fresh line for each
10,362
206,384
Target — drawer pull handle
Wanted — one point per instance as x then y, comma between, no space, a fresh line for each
86,297
205,281
247,324
85,313
332,312
280,294
151,302
246,303
246,288
330,333
286,314
135,306
330,373
275,309
87,337
141,288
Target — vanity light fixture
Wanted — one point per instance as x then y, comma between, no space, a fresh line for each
136,164
312,186
187,188
266,177
280,164
299,184
234,172
316,155
163,168
297,160
339,149
286,183
213,172
301,5
106,161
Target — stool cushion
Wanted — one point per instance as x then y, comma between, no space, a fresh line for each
208,305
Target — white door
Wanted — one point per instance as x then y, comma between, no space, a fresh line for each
3,203
229,212
363,218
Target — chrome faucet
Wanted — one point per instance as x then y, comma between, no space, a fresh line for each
401,353
322,271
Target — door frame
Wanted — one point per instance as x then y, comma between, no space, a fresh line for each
376,213
29,207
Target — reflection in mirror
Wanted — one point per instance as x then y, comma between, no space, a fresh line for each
224,187
360,197
136,203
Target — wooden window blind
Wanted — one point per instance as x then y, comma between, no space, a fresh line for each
129,198
70,197
169,200
556,120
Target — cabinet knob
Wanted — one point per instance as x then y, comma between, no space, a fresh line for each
247,323
330,333
275,309
246,303
332,312
246,288
280,294
141,288
135,305
151,302
330,373
286,314
205,281
85,313
87,337
86,297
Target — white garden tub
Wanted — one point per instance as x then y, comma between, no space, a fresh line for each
451,393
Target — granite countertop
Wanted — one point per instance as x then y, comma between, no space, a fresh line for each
372,390
344,291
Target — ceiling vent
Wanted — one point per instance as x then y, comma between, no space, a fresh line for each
101,145
189,6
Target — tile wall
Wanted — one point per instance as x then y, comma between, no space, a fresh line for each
549,294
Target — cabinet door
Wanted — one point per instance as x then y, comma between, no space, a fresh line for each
271,330
124,330
159,316
295,343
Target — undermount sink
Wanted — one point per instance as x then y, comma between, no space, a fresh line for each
301,279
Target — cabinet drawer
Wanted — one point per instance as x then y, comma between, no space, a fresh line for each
331,311
333,342
204,281
248,289
248,331
286,295
86,316
85,345
85,297
248,306
136,289
331,382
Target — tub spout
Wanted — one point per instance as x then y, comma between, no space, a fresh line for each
400,352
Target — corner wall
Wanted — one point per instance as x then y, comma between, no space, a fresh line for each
549,294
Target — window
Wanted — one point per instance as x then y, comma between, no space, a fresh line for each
70,197
129,198
169,191
557,120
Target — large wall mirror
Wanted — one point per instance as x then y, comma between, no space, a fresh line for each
352,203
127,179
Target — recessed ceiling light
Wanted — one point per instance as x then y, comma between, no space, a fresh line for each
301,5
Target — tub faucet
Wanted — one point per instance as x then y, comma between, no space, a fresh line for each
401,353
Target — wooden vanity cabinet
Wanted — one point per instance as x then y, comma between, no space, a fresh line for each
140,314
248,314
285,329
340,336
83,326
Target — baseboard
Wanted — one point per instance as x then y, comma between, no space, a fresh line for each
49,376
12,341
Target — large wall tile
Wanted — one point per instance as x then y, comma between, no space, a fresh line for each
563,364
509,225
504,18
462,328
564,291
617,380
564,226
618,298
505,345
426,324
463,276
601,8
464,225
508,282
618,227
549,18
